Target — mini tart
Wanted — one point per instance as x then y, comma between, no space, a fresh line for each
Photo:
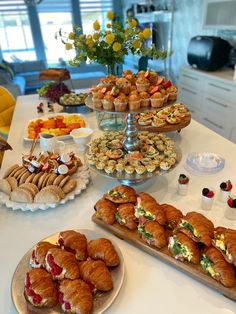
74,242
109,169
62,264
151,167
39,253
40,290
75,296
114,153
129,169
140,169
164,165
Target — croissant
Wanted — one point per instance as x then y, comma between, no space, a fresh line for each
96,274
121,194
184,248
75,296
39,252
125,216
225,241
215,265
153,234
104,250
40,290
105,210
173,215
62,264
146,197
197,227
74,242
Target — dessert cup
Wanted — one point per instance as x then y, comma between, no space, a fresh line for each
230,212
223,196
182,189
207,202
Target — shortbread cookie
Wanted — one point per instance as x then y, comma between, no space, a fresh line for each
47,196
5,186
30,187
56,189
64,181
9,170
58,179
14,171
24,176
20,195
19,171
36,178
30,178
46,180
13,182
51,179
41,179
20,174
69,186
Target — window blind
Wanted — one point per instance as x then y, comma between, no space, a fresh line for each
90,6
52,6
9,7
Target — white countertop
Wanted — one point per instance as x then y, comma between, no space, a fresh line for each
150,286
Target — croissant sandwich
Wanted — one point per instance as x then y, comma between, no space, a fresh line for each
153,234
148,209
74,242
173,215
40,290
75,296
39,253
105,210
62,264
125,216
225,241
197,227
96,274
184,248
216,266
121,194
104,250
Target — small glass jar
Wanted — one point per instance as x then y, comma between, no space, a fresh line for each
182,189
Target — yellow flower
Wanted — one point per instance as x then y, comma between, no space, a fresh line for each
109,38
96,36
68,46
147,33
71,35
132,23
116,46
110,15
136,44
140,35
96,25
90,42
82,36
108,25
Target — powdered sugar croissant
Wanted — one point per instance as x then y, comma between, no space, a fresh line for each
74,242
105,210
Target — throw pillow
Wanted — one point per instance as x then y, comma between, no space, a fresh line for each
5,77
5,66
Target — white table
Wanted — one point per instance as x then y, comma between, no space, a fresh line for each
150,286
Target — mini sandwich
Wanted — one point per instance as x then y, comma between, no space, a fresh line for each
125,216
74,242
37,259
153,234
184,248
105,210
173,216
216,266
121,194
197,227
225,241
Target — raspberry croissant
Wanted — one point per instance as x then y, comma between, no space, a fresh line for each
62,264
173,215
121,194
105,210
153,234
125,216
40,289
75,296
104,250
39,253
96,274
75,243
216,266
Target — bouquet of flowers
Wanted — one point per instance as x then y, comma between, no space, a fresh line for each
109,46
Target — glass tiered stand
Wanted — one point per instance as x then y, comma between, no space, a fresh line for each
130,144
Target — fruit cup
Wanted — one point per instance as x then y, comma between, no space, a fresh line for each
230,212
183,182
207,199
225,190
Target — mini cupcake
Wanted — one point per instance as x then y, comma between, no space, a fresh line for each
142,84
120,103
165,94
153,78
95,90
134,102
124,85
131,78
140,74
157,100
108,101
97,100
173,92
106,82
127,72
145,99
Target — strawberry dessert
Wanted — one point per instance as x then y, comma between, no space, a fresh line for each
225,189
183,182
207,198
230,212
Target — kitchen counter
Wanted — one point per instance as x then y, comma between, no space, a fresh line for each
150,286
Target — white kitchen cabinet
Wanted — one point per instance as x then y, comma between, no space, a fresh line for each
211,99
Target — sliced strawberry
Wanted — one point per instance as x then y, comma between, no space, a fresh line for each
147,74
229,186
67,306
167,84
33,254
210,194
184,181
154,90
230,202
37,299
27,281
30,292
61,298
160,81
50,260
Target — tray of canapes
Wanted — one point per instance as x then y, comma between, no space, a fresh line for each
59,125
74,271
43,181
189,242
73,99
171,118
158,154
132,92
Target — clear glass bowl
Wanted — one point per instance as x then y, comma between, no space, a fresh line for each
205,162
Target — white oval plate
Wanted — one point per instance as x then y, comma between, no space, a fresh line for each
205,162
101,302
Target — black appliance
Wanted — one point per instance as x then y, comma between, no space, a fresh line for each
208,53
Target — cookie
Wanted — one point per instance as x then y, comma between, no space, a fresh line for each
69,186
14,171
30,187
56,189
41,179
47,196
19,173
24,176
20,195
51,179
64,181
13,182
45,180
58,179
9,170
30,178
36,178
5,186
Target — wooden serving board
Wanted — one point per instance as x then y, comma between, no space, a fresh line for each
166,128
195,271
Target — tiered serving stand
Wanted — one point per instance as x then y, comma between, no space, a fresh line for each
131,143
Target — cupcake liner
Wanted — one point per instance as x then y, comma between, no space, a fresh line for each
108,105
157,103
134,105
121,106
173,96
97,103
145,103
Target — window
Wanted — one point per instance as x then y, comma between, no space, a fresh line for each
15,31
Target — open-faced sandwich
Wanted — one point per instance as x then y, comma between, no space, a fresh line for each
121,194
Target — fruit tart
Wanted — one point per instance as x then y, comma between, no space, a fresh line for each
125,216
40,289
105,210
121,194
74,242
39,253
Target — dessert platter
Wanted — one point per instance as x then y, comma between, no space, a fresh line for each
43,181
190,243
74,271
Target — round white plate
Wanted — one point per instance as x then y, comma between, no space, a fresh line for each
81,176
205,162
101,302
